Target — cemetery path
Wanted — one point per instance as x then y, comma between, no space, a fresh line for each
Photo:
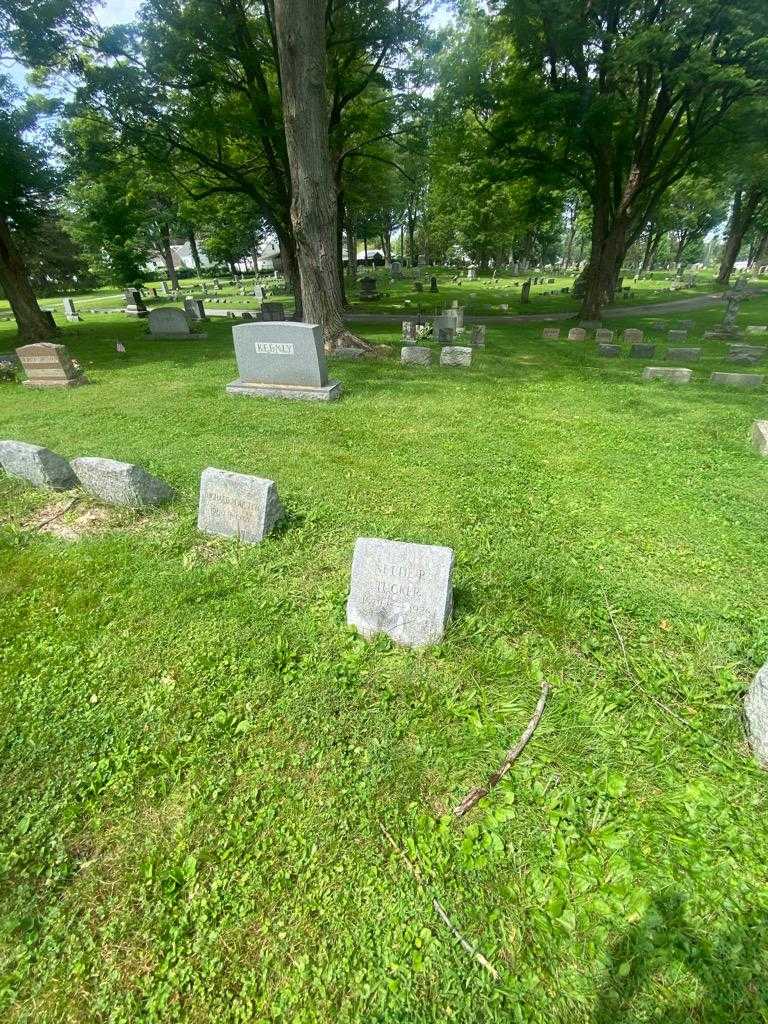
610,313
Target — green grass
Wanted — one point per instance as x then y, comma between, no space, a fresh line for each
197,754
483,297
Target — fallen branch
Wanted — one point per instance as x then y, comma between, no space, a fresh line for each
58,515
439,909
474,796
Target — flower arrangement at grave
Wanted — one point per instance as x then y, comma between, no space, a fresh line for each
7,371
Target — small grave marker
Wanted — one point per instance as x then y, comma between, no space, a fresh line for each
673,374
746,381
39,466
120,483
417,355
759,437
577,334
237,505
644,351
551,332
402,590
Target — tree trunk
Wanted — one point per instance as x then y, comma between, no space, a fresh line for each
301,46
340,244
684,235
606,256
412,239
193,250
351,249
745,208
759,251
32,323
386,247
165,249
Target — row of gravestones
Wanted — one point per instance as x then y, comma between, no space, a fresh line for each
632,334
402,590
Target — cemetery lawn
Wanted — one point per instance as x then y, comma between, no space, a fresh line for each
198,756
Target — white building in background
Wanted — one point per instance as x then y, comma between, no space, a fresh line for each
182,258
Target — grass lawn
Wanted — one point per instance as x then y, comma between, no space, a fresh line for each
483,297
197,755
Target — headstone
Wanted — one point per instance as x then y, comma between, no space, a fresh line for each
368,288
402,590
644,351
609,351
396,269
409,329
422,261
552,332
678,336
39,466
631,335
134,304
747,355
49,366
446,334
418,286
685,354
746,381
169,322
577,334
456,355
195,309
478,335
759,437
756,716
259,293
282,360
673,374
602,335
752,329
525,292
237,505
120,483
272,311
70,312
417,355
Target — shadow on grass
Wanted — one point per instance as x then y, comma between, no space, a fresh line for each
647,964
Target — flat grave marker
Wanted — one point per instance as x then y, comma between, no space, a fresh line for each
745,381
673,374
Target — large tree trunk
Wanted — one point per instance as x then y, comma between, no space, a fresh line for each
652,247
386,246
301,46
165,249
32,323
606,256
743,212
193,250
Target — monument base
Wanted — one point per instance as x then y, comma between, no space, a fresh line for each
71,382
327,393
192,336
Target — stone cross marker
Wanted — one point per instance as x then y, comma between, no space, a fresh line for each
402,590
418,355
49,366
134,304
120,483
551,332
168,322
39,466
282,360
237,505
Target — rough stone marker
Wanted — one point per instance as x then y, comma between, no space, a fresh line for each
756,715
674,374
49,366
759,437
456,355
39,466
237,505
402,590
282,360
418,355
120,483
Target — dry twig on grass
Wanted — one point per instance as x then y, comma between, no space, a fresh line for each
474,796
58,515
440,910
